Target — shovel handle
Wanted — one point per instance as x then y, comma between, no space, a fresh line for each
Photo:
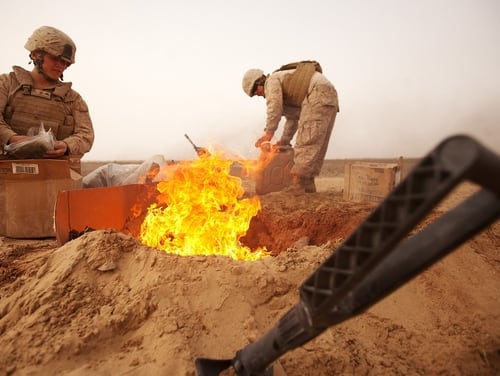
198,149
343,285
190,141
454,159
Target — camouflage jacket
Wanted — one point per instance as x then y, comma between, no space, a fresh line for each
59,108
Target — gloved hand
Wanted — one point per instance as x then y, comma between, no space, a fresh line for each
266,137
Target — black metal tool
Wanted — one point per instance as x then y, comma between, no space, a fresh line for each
379,256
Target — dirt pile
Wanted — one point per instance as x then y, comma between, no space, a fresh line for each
105,304
105,293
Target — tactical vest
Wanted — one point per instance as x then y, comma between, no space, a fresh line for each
28,108
296,84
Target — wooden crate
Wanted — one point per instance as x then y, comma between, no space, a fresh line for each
366,181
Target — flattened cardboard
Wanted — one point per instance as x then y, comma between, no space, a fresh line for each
28,193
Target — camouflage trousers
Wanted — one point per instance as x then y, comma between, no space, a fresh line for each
316,122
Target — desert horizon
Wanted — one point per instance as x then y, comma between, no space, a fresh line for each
330,166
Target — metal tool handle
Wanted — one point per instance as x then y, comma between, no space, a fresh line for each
191,141
198,149
329,295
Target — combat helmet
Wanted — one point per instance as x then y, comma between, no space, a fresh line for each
52,41
249,79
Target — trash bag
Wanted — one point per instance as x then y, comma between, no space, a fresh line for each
114,174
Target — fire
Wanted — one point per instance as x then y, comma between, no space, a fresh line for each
200,211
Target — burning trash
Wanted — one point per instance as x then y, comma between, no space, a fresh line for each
200,210
187,208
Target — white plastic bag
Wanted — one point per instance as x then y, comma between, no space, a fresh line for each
35,147
113,174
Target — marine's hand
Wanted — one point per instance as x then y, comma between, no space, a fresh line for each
60,149
18,138
266,137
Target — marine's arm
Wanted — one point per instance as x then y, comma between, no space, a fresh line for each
274,103
82,139
6,131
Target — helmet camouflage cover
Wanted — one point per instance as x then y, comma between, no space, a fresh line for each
52,41
249,79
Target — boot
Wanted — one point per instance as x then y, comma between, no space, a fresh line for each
307,183
295,187
301,184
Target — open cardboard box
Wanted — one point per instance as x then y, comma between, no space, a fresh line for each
28,193
122,208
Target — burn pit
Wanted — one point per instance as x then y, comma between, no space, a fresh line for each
291,221
202,209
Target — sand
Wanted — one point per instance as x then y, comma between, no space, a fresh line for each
104,304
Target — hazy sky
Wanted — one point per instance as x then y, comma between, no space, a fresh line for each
408,73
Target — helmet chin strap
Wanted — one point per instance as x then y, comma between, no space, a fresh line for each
38,63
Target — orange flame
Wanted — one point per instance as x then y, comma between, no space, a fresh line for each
200,211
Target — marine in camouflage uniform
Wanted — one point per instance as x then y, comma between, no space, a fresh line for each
309,102
28,99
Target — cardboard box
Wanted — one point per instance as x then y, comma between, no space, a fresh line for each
122,208
364,181
28,193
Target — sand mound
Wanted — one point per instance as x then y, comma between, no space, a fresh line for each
105,304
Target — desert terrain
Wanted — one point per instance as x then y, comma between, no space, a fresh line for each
105,304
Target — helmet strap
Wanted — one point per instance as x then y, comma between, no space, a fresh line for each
38,63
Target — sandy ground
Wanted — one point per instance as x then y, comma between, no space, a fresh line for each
104,304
